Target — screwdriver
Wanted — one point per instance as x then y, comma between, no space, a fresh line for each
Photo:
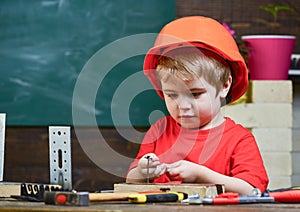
148,167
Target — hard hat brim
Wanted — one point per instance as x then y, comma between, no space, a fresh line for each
239,70
203,33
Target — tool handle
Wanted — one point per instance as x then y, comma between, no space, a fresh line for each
286,196
98,197
224,201
159,197
226,198
220,201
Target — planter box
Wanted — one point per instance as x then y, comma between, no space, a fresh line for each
269,56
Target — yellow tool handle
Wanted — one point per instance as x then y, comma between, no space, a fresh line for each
158,197
138,198
98,197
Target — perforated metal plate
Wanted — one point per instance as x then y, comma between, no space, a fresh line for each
2,141
60,156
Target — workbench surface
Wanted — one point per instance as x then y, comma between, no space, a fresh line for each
12,205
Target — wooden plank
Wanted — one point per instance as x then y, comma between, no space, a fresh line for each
200,189
9,188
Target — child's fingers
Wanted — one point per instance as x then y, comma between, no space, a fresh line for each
160,169
151,156
172,172
151,159
151,171
153,164
150,162
175,168
173,165
176,178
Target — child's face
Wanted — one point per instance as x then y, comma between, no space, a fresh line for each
194,103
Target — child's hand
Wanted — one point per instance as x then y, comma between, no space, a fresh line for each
182,171
155,167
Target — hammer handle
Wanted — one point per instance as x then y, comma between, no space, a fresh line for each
97,197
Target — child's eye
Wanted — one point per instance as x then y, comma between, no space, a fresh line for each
196,94
172,95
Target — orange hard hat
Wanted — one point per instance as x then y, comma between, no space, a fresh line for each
204,33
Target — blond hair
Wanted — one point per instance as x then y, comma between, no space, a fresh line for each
188,63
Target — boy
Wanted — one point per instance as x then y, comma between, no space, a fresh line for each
195,66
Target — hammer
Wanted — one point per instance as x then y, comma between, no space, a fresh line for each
84,198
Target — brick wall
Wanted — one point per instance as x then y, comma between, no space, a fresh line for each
245,17
268,113
296,134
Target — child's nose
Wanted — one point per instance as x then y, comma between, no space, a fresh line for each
184,104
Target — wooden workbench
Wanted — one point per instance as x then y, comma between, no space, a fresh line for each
12,205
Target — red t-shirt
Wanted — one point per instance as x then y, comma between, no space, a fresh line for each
229,149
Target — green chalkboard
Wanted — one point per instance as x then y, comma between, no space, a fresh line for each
47,48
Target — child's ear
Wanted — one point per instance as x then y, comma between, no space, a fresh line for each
226,87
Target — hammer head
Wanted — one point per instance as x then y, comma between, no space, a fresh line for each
66,198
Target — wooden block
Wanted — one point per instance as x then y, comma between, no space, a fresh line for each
252,115
9,188
273,139
277,163
200,189
280,91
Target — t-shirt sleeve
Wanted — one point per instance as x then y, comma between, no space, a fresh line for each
247,163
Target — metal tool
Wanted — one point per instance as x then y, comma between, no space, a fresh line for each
287,196
35,192
235,198
148,167
2,142
84,198
67,198
60,156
